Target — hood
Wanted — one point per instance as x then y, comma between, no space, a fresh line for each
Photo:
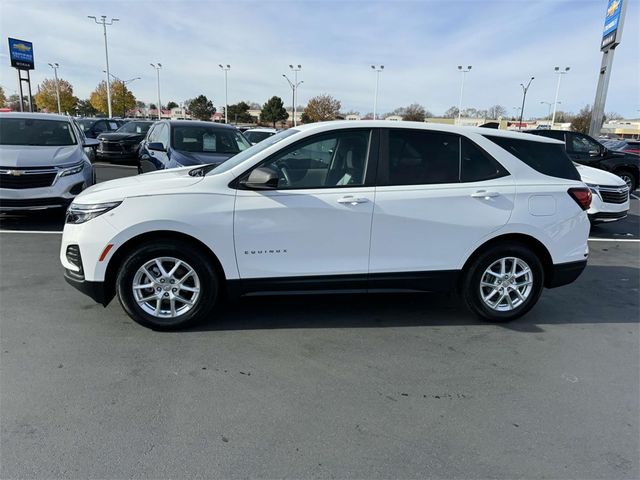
20,156
161,182
117,137
193,158
594,176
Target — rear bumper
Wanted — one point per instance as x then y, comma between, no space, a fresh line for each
565,273
95,290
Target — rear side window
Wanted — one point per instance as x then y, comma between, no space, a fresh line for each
546,158
476,165
422,157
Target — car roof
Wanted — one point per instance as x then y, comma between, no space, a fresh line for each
34,115
198,123
262,129
440,127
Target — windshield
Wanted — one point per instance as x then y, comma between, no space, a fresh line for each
85,123
255,137
207,139
135,127
29,131
250,152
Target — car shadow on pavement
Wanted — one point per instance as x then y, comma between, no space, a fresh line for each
603,294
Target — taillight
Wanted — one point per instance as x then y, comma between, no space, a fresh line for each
582,196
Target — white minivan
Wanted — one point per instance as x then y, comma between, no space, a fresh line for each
352,206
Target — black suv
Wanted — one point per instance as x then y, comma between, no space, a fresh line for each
586,150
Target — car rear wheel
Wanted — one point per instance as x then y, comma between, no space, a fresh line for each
167,286
503,283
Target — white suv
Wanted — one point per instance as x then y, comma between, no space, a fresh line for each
339,206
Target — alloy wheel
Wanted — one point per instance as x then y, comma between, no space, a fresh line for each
506,284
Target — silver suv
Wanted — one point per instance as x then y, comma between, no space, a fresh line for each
44,161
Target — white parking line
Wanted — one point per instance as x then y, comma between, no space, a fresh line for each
637,198
614,239
48,232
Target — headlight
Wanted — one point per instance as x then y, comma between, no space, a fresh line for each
72,170
77,214
595,189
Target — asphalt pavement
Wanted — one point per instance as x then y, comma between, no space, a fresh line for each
377,386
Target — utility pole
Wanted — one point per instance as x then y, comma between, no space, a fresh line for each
226,92
376,69
55,67
294,87
158,66
104,23
524,97
295,70
556,102
464,73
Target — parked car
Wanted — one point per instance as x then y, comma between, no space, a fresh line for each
587,151
43,161
629,146
93,127
610,199
123,144
179,143
256,135
494,215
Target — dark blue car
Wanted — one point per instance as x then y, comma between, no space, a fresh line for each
182,143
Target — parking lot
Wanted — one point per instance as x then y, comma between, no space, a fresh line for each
384,386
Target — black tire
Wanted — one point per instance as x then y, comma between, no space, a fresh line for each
631,178
197,260
475,271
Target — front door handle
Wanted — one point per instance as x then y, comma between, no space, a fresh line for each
352,200
484,194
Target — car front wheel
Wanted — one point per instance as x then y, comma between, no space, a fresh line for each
167,286
503,283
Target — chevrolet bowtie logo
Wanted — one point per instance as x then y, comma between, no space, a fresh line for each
14,173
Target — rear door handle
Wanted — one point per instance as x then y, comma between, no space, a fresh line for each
352,200
484,194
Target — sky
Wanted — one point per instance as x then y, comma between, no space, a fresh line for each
419,42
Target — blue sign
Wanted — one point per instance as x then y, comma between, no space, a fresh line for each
611,23
21,54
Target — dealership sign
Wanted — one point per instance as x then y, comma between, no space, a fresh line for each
21,54
610,36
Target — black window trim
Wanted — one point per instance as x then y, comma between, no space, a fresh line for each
370,170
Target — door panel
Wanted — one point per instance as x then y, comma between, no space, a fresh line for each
302,232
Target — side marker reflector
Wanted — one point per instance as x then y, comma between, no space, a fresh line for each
105,252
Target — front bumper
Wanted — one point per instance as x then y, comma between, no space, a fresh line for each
95,290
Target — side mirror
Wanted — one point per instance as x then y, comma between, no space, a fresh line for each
90,142
261,178
158,146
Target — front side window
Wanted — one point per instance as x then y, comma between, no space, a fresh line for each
163,135
338,159
205,139
422,157
476,165
28,131
580,144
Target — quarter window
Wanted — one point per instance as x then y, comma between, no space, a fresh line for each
476,165
335,160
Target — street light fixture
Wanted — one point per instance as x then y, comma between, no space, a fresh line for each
295,69
104,23
524,97
55,67
549,104
226,92
376,69
464,73
559,72
294,87
158,66
124,84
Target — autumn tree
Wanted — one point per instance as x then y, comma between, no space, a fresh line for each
201,107
3,98
582,120
46,98
273,111
320,109
85,109
122,99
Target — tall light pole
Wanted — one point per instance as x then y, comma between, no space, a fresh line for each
559,73
158,66
464,74
104,23
124,84
294,87
226,91
295,69
524,97
376,69
549,104
55,67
